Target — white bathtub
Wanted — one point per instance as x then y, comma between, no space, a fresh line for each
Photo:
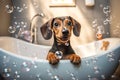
25,61
25,49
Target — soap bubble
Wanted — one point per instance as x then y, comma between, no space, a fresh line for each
111,59
15,23
24,64
22,22
49,72
16,74
6,59
12,29
73,76
9,8
94,59
103,76
106,10
97,72
106,21
18,26
38,77
14,64
20,10
89,77
113,76
110,56
35,66
27,69
95,67
59,54
56,77
6,72
87,63
94,23
25,6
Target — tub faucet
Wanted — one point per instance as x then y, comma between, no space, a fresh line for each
33,28
34,34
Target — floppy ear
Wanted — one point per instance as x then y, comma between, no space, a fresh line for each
46,30
76,27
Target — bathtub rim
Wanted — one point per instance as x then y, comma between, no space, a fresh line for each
46,46
46,61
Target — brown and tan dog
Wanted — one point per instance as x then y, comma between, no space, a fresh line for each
62,28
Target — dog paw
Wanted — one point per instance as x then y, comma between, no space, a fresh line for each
75,59
51,57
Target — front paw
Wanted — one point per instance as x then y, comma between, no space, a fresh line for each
75,59
51,57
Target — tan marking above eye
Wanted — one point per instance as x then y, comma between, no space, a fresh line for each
68,22
69,27
57,23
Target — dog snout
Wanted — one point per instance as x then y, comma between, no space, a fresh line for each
65,32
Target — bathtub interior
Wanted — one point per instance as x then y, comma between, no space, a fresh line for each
29,50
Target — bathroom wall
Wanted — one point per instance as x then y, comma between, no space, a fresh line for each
4,18
90,18
115,18
115,24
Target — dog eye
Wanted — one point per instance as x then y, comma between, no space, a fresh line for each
69,23
56,24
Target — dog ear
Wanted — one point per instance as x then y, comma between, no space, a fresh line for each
76,27
46,30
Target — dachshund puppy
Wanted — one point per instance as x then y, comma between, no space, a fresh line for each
61,28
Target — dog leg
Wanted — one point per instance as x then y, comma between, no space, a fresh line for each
51,57
75,59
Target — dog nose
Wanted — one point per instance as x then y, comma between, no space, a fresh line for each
65,32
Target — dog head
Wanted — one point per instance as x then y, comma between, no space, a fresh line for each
61,27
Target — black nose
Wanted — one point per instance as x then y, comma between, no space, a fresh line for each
65,32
